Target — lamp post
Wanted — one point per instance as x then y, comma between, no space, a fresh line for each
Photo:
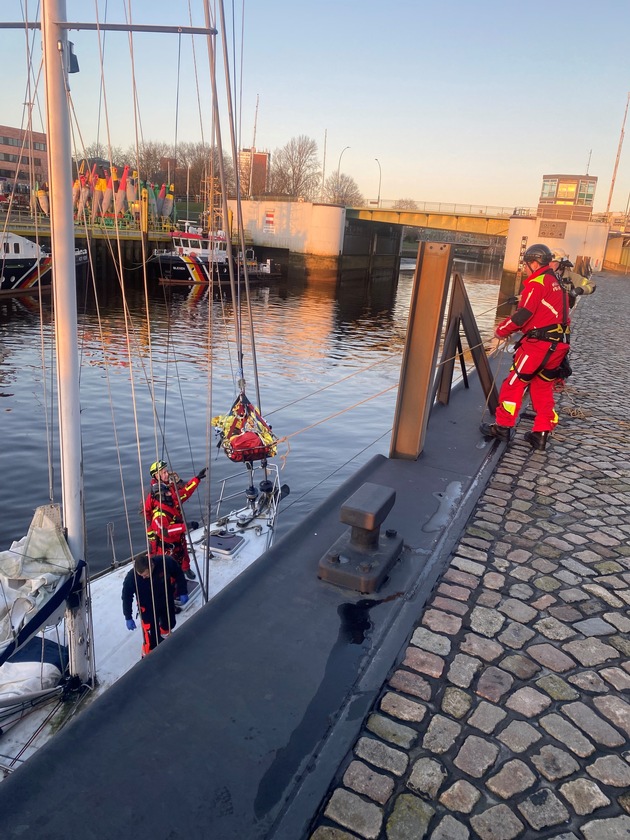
378,200
187,192
339,169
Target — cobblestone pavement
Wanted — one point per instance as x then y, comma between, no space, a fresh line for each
508,712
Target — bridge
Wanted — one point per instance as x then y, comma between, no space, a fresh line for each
480,222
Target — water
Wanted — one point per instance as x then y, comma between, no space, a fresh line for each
321,349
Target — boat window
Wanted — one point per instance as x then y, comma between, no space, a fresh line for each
7,249
206,244
16,247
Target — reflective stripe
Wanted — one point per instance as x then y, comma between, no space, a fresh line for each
510,407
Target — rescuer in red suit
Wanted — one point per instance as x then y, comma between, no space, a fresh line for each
166,526
542,316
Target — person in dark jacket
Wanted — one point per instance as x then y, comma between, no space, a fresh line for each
155,581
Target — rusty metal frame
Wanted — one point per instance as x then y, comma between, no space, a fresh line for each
461,315
426,315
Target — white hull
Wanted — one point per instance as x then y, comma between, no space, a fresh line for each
118,649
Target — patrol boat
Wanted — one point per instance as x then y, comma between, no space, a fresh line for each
26,265
55,620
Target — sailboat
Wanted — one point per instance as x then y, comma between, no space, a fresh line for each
56,620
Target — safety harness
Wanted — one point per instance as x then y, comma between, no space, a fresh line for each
555,334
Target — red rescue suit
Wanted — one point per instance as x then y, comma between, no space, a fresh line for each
166,528
542,316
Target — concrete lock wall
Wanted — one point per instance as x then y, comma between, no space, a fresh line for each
301,227
579,239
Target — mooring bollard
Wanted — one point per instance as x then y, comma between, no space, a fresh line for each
361,558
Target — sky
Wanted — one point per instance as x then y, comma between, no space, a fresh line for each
467,102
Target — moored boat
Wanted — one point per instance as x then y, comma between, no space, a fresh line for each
25,265
198,256
44,584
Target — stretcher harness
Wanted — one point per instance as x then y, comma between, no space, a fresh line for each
244,435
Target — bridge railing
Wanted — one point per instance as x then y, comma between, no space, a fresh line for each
25,222
445,207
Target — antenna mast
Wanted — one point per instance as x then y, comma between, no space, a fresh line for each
612,185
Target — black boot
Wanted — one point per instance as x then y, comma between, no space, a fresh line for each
537,440
491,430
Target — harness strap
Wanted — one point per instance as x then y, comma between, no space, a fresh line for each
527,377
557,333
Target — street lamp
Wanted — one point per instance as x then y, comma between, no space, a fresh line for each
378,200
339,169
187,193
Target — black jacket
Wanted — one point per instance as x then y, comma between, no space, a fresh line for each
152,591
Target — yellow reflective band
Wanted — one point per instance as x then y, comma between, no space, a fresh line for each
510,407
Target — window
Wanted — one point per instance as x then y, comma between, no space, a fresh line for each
566,190
549,188
586,193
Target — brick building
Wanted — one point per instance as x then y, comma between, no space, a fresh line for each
23,156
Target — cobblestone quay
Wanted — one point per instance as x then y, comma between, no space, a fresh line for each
507,714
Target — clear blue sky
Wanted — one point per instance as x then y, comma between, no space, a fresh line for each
467,102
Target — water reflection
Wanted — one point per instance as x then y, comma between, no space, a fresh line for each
321,347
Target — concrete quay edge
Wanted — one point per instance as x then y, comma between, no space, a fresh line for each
507,713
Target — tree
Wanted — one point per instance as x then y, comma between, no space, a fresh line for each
149,162
342,189
405,204
203,161
295,169
100,151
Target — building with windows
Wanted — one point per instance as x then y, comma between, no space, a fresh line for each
567,197
23,157
253,168
563,221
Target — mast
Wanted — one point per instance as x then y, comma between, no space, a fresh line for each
56,58
614,176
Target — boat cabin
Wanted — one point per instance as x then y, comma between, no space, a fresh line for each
12,245
212,246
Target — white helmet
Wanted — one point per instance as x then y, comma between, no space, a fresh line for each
558,254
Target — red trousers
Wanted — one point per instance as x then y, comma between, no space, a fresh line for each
530,356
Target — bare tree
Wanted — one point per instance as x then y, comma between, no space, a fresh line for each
405,204
149,162
342,189
100,151
295,169
197,163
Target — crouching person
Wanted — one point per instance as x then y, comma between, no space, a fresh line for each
155,581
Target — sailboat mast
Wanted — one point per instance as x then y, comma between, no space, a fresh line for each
56,57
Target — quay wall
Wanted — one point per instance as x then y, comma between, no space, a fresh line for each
577,238
301,227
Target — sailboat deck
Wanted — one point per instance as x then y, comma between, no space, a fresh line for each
236,725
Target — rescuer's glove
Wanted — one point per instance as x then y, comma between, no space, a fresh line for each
183,599
202,474
131,624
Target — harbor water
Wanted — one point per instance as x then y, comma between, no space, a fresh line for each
328,360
